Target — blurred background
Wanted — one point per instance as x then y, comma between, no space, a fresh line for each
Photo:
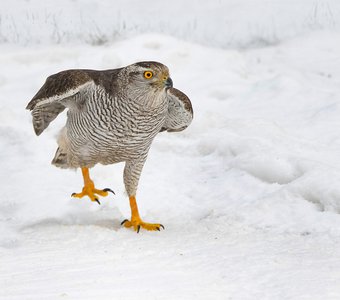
219,23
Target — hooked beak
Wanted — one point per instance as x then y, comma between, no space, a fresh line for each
168,83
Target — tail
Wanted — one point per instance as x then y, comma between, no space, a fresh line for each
60,159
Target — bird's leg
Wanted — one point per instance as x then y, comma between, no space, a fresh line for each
136,222
89,188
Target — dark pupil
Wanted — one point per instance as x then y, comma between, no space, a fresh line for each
148,74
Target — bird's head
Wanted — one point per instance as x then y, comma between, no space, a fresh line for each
148,75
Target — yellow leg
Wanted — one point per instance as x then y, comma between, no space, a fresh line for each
89,188
136,222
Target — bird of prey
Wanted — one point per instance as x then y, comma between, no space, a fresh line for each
113,116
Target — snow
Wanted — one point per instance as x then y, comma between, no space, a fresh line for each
223,23
249,193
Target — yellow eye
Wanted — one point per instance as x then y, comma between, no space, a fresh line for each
148,74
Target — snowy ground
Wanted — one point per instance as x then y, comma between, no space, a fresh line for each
249,193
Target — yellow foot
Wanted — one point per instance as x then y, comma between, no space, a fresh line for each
90,190
92,193
137,224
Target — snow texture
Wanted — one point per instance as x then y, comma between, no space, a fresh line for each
249,194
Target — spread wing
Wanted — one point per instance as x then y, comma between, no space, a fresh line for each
60,90
180,111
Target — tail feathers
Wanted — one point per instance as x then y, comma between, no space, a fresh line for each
60,159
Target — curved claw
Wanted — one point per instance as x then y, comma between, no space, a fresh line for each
138,224
160,226
109,190
124,222
96,199
73,194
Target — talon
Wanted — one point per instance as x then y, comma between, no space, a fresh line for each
137,225
136,222
89,189
109,190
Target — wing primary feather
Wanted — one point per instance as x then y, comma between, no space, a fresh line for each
180,112
55,95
